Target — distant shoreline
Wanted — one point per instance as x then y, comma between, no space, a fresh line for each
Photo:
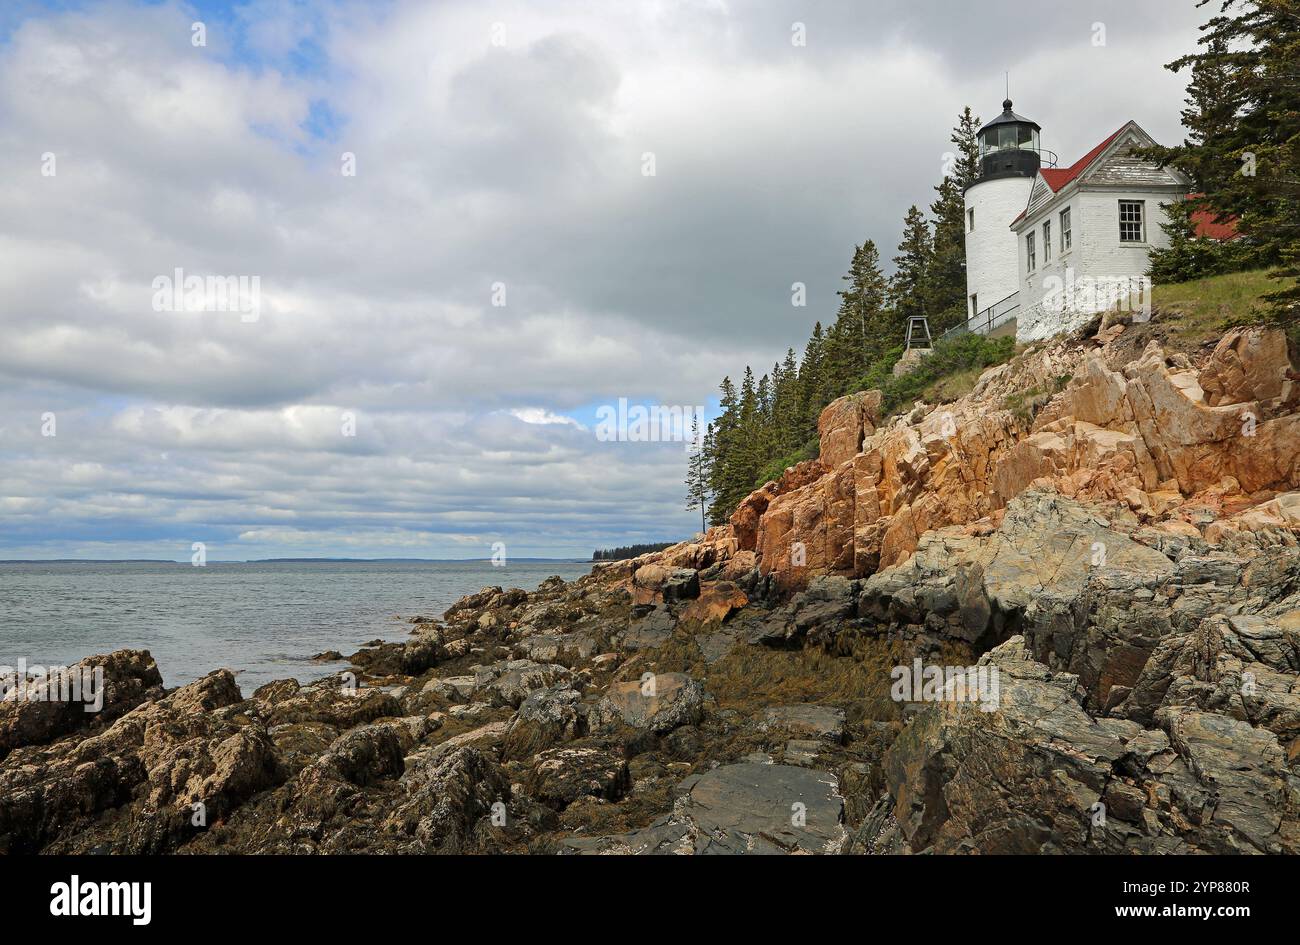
574,560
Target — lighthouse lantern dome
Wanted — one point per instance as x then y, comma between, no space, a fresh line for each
1009,146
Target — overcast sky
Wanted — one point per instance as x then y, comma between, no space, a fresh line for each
495,144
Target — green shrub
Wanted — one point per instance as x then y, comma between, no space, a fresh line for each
951,357
776,467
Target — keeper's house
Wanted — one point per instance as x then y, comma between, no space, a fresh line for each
1048,247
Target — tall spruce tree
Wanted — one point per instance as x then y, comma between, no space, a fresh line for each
785,405
944,289
1243,132
697,472
812,383
722,455
762,446
966,159
747,449
912,265
862,307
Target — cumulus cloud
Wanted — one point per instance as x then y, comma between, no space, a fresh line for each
498,265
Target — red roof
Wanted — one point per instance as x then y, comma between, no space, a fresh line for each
1206,226
1058,177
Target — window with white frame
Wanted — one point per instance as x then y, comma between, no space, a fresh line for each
1029,252
974,305
1131,229
1047,241
1067,237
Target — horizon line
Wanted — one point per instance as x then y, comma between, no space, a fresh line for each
326,559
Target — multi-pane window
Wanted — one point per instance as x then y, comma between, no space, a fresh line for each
1047,241
1029,252
1130,221
1066,236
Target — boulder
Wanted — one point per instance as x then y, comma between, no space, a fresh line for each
361,756
410,658
446,800
745,808
509,683
567,649
560,776
657,583
823,722
341,708
39,710
472,602
657,704
717,601
547,716
650,631
1248,365
452,688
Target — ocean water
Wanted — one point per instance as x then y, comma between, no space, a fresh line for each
262,621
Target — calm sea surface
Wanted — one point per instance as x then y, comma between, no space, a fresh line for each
261,621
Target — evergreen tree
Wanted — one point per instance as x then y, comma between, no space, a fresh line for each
944,290
1189,256
1243,131
841,351
722,453
912,265
966,165
697,472
861,319
748,426
785,405
761,444
811,384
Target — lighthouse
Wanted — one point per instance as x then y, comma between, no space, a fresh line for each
1009,160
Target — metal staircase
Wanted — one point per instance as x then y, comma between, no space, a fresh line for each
985,321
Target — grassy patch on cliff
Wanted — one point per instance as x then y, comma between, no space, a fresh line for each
776,467
955,363
1205,307
952,387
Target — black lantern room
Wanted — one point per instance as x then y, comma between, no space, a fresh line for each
1009,146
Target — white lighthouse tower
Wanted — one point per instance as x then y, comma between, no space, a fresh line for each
1010,157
